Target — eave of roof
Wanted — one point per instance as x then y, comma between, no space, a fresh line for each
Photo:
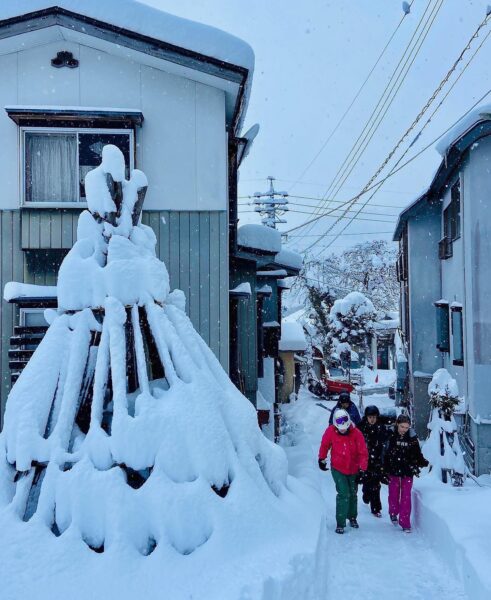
453,158
59,16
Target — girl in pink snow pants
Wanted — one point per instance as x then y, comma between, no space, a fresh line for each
403,459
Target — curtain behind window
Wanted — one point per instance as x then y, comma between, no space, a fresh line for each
51,167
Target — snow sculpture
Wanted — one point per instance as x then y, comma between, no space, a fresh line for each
442,448
124,430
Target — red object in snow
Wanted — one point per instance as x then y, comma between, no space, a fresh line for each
334,386
376,379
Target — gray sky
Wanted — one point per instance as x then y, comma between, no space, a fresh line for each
311,58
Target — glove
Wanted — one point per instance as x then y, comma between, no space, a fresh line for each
362,475
322,464
384,479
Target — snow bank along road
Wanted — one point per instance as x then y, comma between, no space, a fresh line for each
377,561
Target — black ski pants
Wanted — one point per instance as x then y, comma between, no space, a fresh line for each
371,492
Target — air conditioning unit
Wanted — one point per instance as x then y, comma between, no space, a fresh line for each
445,249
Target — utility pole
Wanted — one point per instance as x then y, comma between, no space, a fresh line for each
271,205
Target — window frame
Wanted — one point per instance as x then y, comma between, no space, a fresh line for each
442,326
452,214
77,130
24,311
454,312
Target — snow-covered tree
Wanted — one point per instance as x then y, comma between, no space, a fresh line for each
368,267
442,448
124,434
351,320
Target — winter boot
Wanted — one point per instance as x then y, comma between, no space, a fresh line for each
393,518
406,530
339,529
354,523
377,514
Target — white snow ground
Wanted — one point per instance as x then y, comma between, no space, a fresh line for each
377,561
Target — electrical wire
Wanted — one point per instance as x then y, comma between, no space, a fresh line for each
427,122
295,204
411,127
409,161
355,98
379,117
396,73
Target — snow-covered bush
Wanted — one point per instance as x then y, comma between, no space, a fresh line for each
442,448
351,320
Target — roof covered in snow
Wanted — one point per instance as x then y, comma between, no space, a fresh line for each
292,337
136,30
259,237
470,128
289,258
146,20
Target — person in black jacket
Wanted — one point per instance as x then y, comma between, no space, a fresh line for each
375,435
402,460
345,402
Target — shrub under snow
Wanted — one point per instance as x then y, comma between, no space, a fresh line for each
442,448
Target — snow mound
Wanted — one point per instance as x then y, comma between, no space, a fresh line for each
292,337
289,258
123,434
259,237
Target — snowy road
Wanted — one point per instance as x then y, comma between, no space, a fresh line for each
377,561
380,562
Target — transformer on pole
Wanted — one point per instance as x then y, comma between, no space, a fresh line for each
271,205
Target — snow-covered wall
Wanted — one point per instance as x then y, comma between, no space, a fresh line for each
182,145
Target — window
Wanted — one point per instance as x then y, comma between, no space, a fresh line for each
32,317
457,336
56,161
442,327
451,215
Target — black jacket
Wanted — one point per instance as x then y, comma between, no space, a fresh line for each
402,454
375,437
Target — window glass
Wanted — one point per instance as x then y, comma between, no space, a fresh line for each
33,318
90,147
56,162
457,337
451,215
442,328
50,167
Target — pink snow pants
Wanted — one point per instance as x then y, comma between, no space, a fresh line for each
400,499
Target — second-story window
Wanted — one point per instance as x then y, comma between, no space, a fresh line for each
451,215
56,161
457,335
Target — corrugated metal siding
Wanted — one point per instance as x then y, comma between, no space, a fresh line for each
194,246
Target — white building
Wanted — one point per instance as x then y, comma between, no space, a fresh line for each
445,276
170,93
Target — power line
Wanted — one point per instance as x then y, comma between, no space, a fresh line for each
397,72
313,198
343,216
411,127
355,98
379,117
376,214
392,173
334,234
418,135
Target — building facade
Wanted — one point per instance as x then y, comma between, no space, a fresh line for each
445,276
171,95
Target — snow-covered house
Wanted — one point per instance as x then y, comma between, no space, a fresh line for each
445,276
171,94
258,266
292,346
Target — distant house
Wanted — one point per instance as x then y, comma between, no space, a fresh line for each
292,346
258,270
444,270
171,95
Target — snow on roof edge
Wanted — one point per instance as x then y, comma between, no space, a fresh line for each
149,21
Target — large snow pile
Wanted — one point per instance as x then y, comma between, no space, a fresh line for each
124,437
